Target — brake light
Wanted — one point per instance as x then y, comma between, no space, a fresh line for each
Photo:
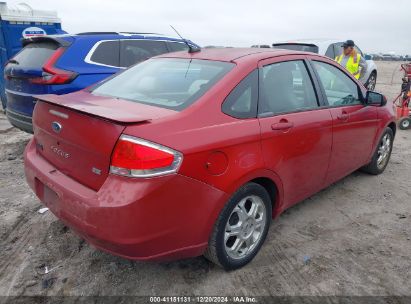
135,157
53,75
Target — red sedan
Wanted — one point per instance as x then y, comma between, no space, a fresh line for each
194,153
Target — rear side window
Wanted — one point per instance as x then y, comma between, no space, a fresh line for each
242,101
286,87
171,83
297,47
133,51
107,53
35,55
177,46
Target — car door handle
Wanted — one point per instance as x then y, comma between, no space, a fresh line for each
282,125
343,116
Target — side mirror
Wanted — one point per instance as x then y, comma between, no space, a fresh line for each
367,57
375,99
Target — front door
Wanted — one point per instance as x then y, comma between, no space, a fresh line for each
296,134
354,123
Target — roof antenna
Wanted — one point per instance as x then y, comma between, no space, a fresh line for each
191,49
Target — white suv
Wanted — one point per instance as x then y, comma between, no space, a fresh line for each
332,48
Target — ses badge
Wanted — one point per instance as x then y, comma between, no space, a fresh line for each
33,31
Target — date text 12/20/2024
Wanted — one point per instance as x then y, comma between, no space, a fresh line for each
203,299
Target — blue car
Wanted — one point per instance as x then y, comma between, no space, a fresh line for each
63,64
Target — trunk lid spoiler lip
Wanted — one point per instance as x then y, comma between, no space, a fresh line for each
106,108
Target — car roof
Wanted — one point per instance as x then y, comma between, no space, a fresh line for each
98,36
124,35
232,54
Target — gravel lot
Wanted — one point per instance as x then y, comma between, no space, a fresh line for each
353,238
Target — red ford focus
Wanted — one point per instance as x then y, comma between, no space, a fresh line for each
194,153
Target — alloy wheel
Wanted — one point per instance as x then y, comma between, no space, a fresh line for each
372,81
245,227
384,151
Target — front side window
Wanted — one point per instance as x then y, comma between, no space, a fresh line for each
339,88
133,51
107,53
286,87
242,101
172,83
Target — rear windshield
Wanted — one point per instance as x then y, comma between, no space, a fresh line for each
34,55
297,47
171,83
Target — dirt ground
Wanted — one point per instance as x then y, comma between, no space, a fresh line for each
353,238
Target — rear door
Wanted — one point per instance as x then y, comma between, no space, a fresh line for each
296,132
354,124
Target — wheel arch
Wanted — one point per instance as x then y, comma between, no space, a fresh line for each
271,183
393,126
271,188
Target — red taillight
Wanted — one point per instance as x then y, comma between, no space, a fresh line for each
134,156
53,75
140,158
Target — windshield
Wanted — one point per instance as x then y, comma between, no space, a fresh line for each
171,83
297,47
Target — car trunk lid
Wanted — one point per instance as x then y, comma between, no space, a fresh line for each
77,132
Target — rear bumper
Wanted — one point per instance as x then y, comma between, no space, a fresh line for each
19,109
20,121
146,219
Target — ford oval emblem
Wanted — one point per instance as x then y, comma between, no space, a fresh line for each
56,126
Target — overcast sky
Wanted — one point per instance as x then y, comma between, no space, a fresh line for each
375,25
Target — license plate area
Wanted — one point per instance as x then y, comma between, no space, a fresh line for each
46,195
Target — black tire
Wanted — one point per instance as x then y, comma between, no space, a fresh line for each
404,123
371,81
216,251
374,167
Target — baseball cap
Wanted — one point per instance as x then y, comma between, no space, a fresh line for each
348,43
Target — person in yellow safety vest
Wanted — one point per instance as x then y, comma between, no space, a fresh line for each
352,60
